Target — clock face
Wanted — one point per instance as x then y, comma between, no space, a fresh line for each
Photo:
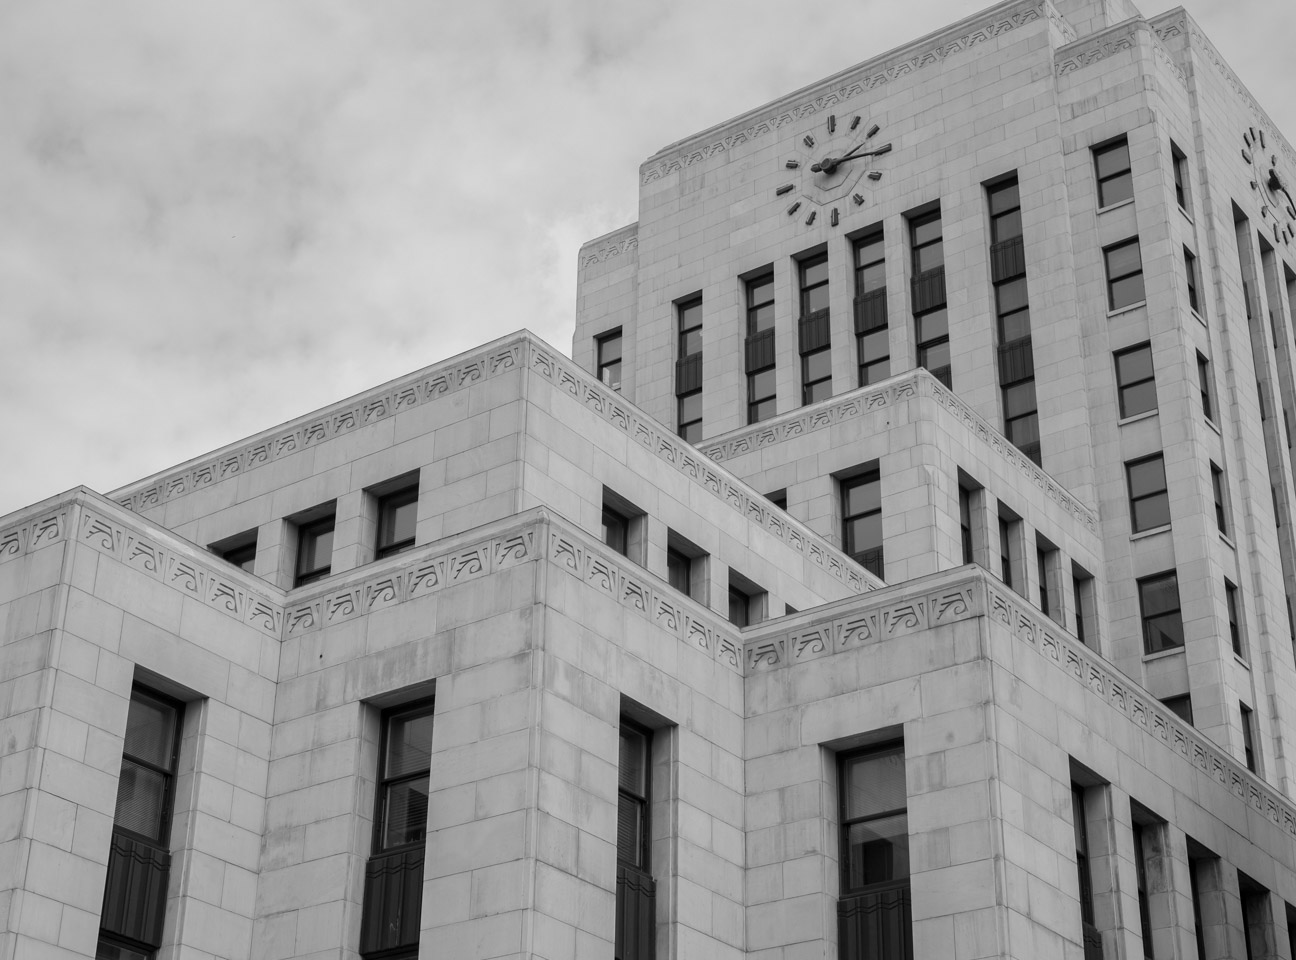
828,170
1272,186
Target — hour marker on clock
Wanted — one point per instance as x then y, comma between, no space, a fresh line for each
833,217
859,200
855,123
808,140
786,188
794,208
792,164
875,175
832,123
872,130
811,219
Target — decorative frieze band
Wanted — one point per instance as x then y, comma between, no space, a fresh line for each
1096,48
897,390
179,571
866,77
415,390
34,533
1140,707
613,246
667,446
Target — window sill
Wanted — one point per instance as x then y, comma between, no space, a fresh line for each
1130,309
1241,663
1145,415
1144,534
1162,654
1213,425
1116,206
1200,318
1186,215
1228,541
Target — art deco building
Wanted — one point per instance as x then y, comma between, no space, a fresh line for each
901,567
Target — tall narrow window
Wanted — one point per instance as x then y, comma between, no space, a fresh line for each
1149,500
393,892
636,890
861,497
1124,264
688,370
1080,590
1200,861
679,570
760,359
616,529
623,526
1135,380
1204,382
1159,609
748,602
1248,738
1141,854
965,523
1190,272
928,249
1047,561
1115,181
871,331
1180,706
1007,530
397,518
315,548
813,330
686,567
1149,863
1180,170
139,858
1235,628
609,359
1016,354
1092,941
874,909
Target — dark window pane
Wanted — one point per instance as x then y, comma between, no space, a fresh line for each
1024,429
875,345
874,372
150,732
760,291
1147,477
875,783
761,318
863,533
399,514
633,762
817,365
1128,291
815,392
1138,399
1003,198
935,356
878,851
1019,399
1124,260
405,812
409,745
1151,512
615,528
677,570
1011,296
1116,190
1006,227
863,497
1134,365
925,231
929,257
1112,160
1014,326
690,407
691,342
691,315
763,410
112,951
610,349
813,272
141,800
932,326
762,383
630,830
1164,632
692,432
814,300
869,251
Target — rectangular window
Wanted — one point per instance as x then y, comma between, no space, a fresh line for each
748,603
813,273
1124,264
1082,591
1149,501
1005,211
1181,707
1204,381
1180,165
1235,628
928,251
139,858
1200,862
813,332
1012,310
965,523
397,519
609,359
686,567
315,548
1115,181
1007,530
1159,611
1142,854
1248,738
872,336
623,526
1092,941
688,370
1047,563
1042,562
240,550
636,890
874,908
389,923
778,498
679,570
1135,380
1190,272
1257,919
861,500
761,402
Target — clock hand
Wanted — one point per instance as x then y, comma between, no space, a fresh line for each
1276,184
830,164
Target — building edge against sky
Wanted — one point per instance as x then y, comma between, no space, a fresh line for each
889,574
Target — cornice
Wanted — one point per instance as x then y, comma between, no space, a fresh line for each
1177,23
614,244
856,81
969,593
1118,38
898,389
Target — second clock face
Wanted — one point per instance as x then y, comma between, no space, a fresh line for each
829,167
1277,206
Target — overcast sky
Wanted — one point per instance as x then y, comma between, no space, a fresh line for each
216,217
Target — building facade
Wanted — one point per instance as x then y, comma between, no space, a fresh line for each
889,573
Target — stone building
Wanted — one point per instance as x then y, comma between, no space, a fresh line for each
889,574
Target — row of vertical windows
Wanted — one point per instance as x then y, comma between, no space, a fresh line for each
1016,356
1115,178
861,497
1136,382
396,517
688,371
